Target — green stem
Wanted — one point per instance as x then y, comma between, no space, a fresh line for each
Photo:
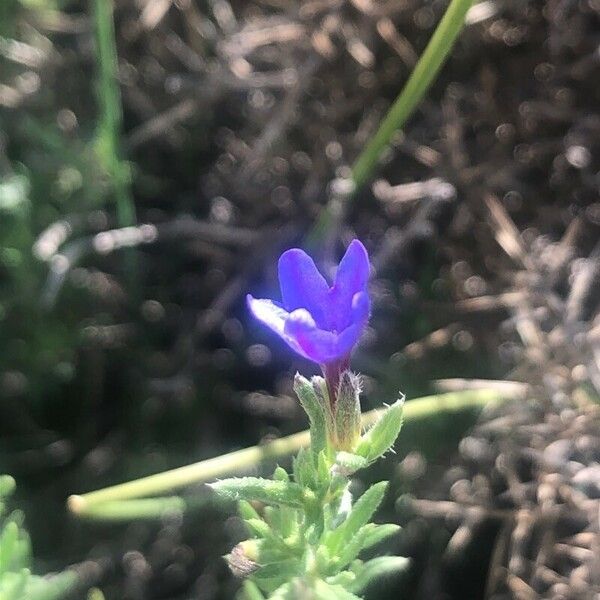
409,98
111,116
417,85
144,508
242,460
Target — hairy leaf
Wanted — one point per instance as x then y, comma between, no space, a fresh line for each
263,490
258,527
359,515
325,591
315,411
252,591
247,511
347,463
381,437
377,533
376,568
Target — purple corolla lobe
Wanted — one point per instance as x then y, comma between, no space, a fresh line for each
319,322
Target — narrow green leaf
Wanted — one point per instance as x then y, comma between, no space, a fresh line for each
321,559
323,469
263,490
289,522
378,533
13,585
344,579
304,469
286,569
21,553
7,486
325,591
315,411
272,515
381,437
258,527
322,392
347,412
247,511
359,515
347,463
8,542
376,568
366,537
285,592
280,474
350,551
51,588
252,591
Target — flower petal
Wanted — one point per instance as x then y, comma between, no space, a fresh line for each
269,313
302,286
351,277
361,308
316,344
275,318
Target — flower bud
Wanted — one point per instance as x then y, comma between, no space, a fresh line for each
347,412
243,558
320,388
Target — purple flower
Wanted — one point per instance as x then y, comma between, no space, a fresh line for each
320,322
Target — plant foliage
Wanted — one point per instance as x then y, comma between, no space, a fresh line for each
306,531
16,579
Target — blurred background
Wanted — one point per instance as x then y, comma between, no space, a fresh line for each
146,186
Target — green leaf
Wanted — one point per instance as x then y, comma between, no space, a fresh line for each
378,533
51,588
347,412
263,490
381,437
285,569
323,469
272,515
252,591
285,592
7,486
247,511
8,542
282,519
344,578
13,585
325,591
304,469
376,568
315,411
289,522
21,553
359,515
258,527
347,463
16,581
352,549
280,474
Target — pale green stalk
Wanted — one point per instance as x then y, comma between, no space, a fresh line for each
111,116
142,508
417,85
243,460
412,93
